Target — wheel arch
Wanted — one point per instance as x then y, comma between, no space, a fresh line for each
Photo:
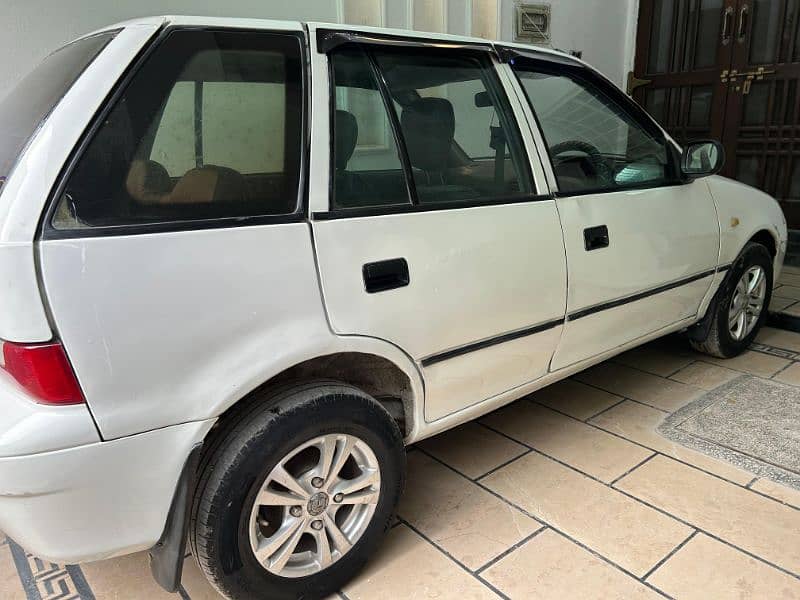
376,367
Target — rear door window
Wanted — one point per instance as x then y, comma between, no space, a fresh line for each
210,127
437,118
26,106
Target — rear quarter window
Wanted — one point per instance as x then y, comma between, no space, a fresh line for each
209,127
24,108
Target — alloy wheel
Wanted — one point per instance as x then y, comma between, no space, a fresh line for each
747,302
314,505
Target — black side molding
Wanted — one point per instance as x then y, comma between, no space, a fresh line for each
166,557
500,339
639,296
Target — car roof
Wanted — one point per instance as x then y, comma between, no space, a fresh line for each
241,22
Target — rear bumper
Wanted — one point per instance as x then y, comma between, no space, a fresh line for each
96,500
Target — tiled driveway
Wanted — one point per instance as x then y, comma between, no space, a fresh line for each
570,493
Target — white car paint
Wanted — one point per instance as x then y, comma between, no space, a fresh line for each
167,331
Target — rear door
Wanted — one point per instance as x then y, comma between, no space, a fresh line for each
435,237
642,247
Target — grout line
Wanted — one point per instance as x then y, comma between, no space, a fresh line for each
633,468
752,481
480,579
508,551
597,387
605,410
672,553
676,459
786,368
500,466
551,526
645,503
483,487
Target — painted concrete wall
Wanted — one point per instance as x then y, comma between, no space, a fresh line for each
29,29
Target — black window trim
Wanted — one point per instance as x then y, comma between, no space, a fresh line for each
366,43
45,229
582,74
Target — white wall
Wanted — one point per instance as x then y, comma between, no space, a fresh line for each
29,29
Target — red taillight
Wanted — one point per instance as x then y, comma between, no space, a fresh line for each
44,371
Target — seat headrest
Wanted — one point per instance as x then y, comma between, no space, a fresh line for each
148,181
346,128
209,183
428,126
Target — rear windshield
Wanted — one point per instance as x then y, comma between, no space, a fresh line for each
27,105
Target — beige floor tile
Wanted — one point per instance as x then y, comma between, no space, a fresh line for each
626,532
790,375
638,423
551,567
757,524
406,566
793,310
789,291
10,584
575,399
658,392
579,445
466,521
472,450
779,304
779,338
655,358
196,584
791,269
778,491
705,568
789,279
751,362
705,376
119,578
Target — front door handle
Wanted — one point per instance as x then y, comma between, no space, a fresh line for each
385,275
595,237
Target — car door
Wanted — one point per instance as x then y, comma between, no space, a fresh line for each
434,236
642,247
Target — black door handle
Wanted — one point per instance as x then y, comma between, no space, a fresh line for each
385,275
595,237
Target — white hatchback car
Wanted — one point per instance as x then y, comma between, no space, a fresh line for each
245,261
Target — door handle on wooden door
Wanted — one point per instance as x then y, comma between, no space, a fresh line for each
727,26
741,33
595,238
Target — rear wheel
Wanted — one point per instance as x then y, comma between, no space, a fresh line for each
741,304
297,492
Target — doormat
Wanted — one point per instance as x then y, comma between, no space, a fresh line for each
750,422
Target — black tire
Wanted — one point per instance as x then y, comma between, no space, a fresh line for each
242,454
719,342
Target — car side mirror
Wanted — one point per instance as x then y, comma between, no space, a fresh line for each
483,100
701,159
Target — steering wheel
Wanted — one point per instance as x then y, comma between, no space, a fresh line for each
596,160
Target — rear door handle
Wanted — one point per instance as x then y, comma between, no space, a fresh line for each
595,237
385,275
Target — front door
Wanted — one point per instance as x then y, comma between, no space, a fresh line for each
435,239
641,246
729,70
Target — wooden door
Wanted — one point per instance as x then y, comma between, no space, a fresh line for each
681,45
728,70
762,121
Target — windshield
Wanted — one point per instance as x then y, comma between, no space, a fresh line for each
27,105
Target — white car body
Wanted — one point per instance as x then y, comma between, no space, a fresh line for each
162,348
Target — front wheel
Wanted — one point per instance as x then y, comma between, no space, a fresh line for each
741,305
297,492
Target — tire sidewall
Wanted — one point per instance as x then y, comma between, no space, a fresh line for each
752,255
271,436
